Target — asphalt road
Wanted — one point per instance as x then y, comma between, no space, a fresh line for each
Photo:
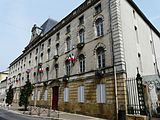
6,115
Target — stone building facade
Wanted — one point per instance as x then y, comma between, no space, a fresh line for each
81,63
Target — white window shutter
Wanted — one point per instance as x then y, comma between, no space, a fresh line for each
103,93
98,93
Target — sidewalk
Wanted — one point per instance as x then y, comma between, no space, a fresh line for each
54,115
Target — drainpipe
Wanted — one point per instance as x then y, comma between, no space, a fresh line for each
114,67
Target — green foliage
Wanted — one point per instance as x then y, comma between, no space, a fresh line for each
25,93
9,97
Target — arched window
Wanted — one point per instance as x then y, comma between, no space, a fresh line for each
82,63
68,43
101,57
99,26
68,67
81,36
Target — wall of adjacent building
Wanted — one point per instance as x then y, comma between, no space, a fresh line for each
133,45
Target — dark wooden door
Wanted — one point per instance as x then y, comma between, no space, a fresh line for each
55,98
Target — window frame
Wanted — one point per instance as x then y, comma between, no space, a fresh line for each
101,93
66,94
99,27
82,65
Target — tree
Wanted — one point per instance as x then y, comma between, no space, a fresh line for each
25,93
9,97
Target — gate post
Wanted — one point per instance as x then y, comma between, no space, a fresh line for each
142,105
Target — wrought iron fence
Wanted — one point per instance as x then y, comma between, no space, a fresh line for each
135,94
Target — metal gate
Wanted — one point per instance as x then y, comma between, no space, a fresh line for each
135,94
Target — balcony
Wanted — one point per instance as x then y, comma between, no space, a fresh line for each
80,45
99,73
56,57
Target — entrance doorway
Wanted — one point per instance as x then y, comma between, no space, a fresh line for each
55,98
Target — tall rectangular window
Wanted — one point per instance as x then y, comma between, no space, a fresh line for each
81,94
101,93
140,62
66,94
136,31
152,47
32,95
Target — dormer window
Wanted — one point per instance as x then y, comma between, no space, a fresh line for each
42,47
68,29
58,36
81,20
98,8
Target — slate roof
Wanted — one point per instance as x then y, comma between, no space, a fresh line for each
50,23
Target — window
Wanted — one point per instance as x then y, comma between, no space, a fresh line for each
68,43
81,20
155,68
35,78
101,57
42,47
82,63
68,29
49,42
135,28
45,95
101,93
30,55
140,62
81,36
32,95
134,15
41,58
47,72
36,60
57,49
56,68
81,94
38,95
98,9
48,54
66,94
57,36
29,63
68,67
99,26
152,47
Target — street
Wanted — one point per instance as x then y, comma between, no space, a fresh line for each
6,115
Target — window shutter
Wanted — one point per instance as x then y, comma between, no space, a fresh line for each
82,93
66,94
98,93
103,93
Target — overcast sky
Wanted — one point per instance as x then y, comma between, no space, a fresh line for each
18,16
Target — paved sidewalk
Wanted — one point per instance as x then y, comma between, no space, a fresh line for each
54,115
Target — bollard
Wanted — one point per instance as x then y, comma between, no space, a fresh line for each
49,112
39,109
30,110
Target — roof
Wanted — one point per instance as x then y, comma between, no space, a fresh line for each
47,25
143,17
